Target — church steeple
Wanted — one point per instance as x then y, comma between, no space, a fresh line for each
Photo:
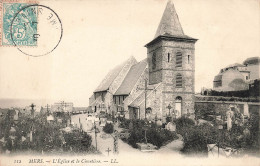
170,24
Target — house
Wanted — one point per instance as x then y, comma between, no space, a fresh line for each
237,77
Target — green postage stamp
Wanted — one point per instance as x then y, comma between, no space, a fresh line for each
18,23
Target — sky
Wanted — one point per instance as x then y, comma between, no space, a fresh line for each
99,35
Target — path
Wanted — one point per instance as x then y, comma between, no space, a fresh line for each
103,144
173,147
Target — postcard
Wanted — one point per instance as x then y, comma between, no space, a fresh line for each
132,82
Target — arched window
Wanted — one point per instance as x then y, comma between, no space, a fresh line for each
154,61
178,80
188,59
169,57
178,59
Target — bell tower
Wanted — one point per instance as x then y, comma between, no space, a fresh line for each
171,61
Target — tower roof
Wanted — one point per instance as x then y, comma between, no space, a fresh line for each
170,24
170,27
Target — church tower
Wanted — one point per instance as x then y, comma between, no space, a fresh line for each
171,62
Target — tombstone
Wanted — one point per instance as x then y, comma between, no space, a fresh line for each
103,122
50,118
171,126
246,112
89,125
146,147
229,121
159,123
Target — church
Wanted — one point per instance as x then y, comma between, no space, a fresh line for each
159,86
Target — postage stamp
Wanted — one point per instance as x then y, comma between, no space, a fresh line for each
18,29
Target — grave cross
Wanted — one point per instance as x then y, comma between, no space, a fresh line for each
32,110
47,106
108,150
169,107
145,95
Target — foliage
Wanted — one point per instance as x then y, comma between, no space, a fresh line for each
124,123
160,137
108,128
155,135
46,136
183,124
196,138
77,141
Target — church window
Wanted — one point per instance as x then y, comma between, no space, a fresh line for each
188,59
178,81
179,59
154,61
169,57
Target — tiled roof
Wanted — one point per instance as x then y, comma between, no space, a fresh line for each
110,77
140,99
131,78
169,23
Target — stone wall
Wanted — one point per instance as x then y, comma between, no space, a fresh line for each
166,71
218,106
154,101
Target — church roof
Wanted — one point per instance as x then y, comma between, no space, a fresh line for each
110,77
131,78
170,27
140,99
169,23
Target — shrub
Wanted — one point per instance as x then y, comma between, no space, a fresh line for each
86,141
182,124
124,123
194,143
156,136
108,128
78,142
160,137
196,139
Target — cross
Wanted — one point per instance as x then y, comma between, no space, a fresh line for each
145,95
64,105
169,107
47,106
108,150
32,110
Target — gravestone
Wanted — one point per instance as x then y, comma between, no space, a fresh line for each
171,126
103,122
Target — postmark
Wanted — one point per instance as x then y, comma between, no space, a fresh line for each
8,9
47,24
35,29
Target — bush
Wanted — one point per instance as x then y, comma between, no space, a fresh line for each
108,128
194,143
160,137
124,123
183,124
77,141
154,135
86,141
196,139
